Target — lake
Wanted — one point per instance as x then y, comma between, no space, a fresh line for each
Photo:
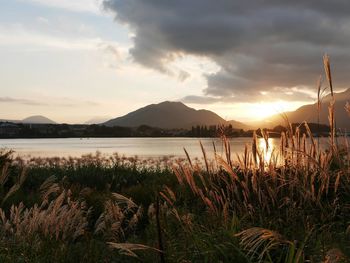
142,147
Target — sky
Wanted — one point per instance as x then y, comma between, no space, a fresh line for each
73,61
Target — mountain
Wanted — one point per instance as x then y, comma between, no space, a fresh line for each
168,115
38,119
309,113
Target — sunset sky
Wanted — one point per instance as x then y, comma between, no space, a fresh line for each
77,60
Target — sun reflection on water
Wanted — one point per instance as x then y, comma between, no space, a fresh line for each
269,149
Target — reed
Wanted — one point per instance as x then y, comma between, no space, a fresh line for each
307,185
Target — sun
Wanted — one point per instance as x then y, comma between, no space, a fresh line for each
248,112
261,110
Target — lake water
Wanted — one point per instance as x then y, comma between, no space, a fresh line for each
142,147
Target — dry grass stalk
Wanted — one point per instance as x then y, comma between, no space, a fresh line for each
168,195
215,155
259,241
204,156
124,200
188,158
265,135
129,248
313,148
4,174
331,120
327,69
49,187
255,148
347,108
58,220
119,217
16,186
227,148
319,94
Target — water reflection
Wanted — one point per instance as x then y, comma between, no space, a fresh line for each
268,149
142,147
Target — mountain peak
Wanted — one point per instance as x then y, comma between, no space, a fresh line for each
167,115
38,119
168,103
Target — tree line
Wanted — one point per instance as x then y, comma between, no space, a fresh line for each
21,130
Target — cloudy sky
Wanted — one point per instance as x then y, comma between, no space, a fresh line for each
77,60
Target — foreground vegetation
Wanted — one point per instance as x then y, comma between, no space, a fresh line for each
292,206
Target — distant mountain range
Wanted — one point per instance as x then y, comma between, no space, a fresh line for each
176,115
309,113
36,119
171,115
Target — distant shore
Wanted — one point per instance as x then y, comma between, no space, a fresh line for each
9,130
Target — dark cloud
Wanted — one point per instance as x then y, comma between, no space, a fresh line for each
260,46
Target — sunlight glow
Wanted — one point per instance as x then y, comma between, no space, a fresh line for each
266,109
261,110
267,151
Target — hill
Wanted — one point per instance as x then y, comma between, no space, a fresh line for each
170,115
38,119
309,113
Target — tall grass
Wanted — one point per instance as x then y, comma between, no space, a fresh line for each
300,193
285,204
66,218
